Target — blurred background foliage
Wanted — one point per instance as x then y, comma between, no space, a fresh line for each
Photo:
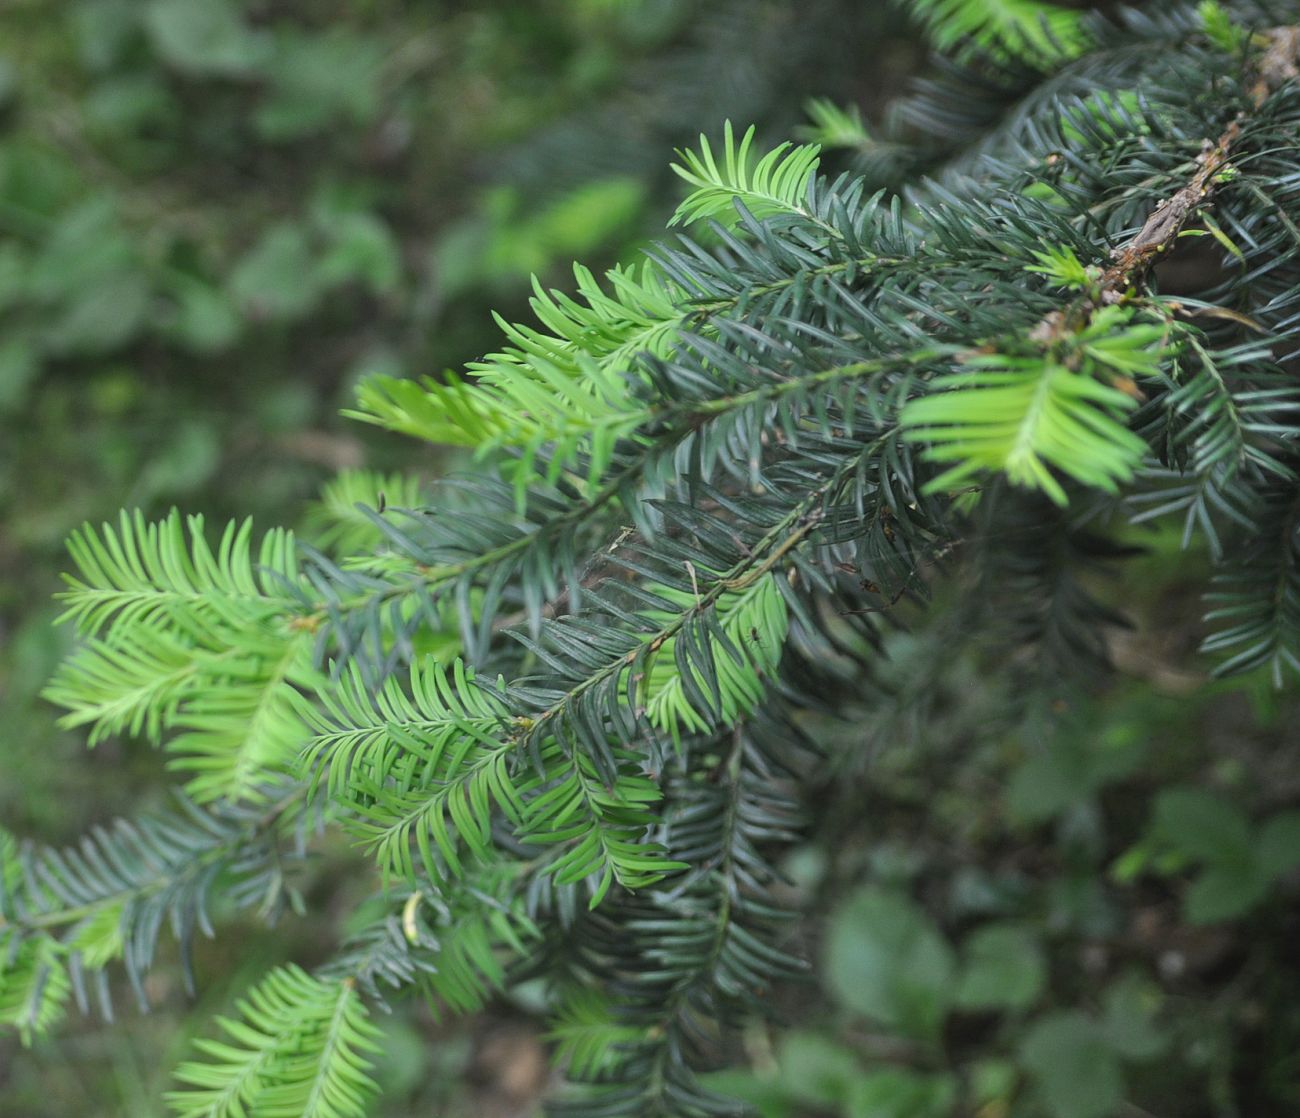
216,215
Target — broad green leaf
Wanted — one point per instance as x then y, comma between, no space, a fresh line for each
277,277
1224,892
1203,826
317,79
887,960
1075,1071
1128,1023
816,1069
1277,847
1002,968
205,37
901,1093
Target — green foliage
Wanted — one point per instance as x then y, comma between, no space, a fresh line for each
1240,862
1022,416
737,656
1062,267
834,126
179,636
34,986
212,40
66,915
776,184
1003,968
1220,27
1037,32
890,960
890,964
302,1047
1073,1067
585,1042
509,239
340,523
704,592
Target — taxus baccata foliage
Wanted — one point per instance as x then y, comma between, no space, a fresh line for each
561,700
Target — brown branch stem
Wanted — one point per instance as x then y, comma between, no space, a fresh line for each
1276,65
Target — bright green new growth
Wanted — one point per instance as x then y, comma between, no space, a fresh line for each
1063,267
1025,416
750,636
34,987
834,126
776,184
301,1048
566,389
177,636
1030,29
1022,416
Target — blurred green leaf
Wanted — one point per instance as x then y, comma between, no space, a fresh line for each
993,1081
506,240
362,248
13,274
1202,826
1076,1072
104,29
124,105
103,318
8,82
406,1058
36,183
1003,967
1077,902
1079,762
763,1094
886,960
900,1093
1277,848
1224,892
1128,1023
1045,785
204,321
1197,825
587,218
277,278
317,79
19,364
85,249
1113,113
205,37
189,459
815,1069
